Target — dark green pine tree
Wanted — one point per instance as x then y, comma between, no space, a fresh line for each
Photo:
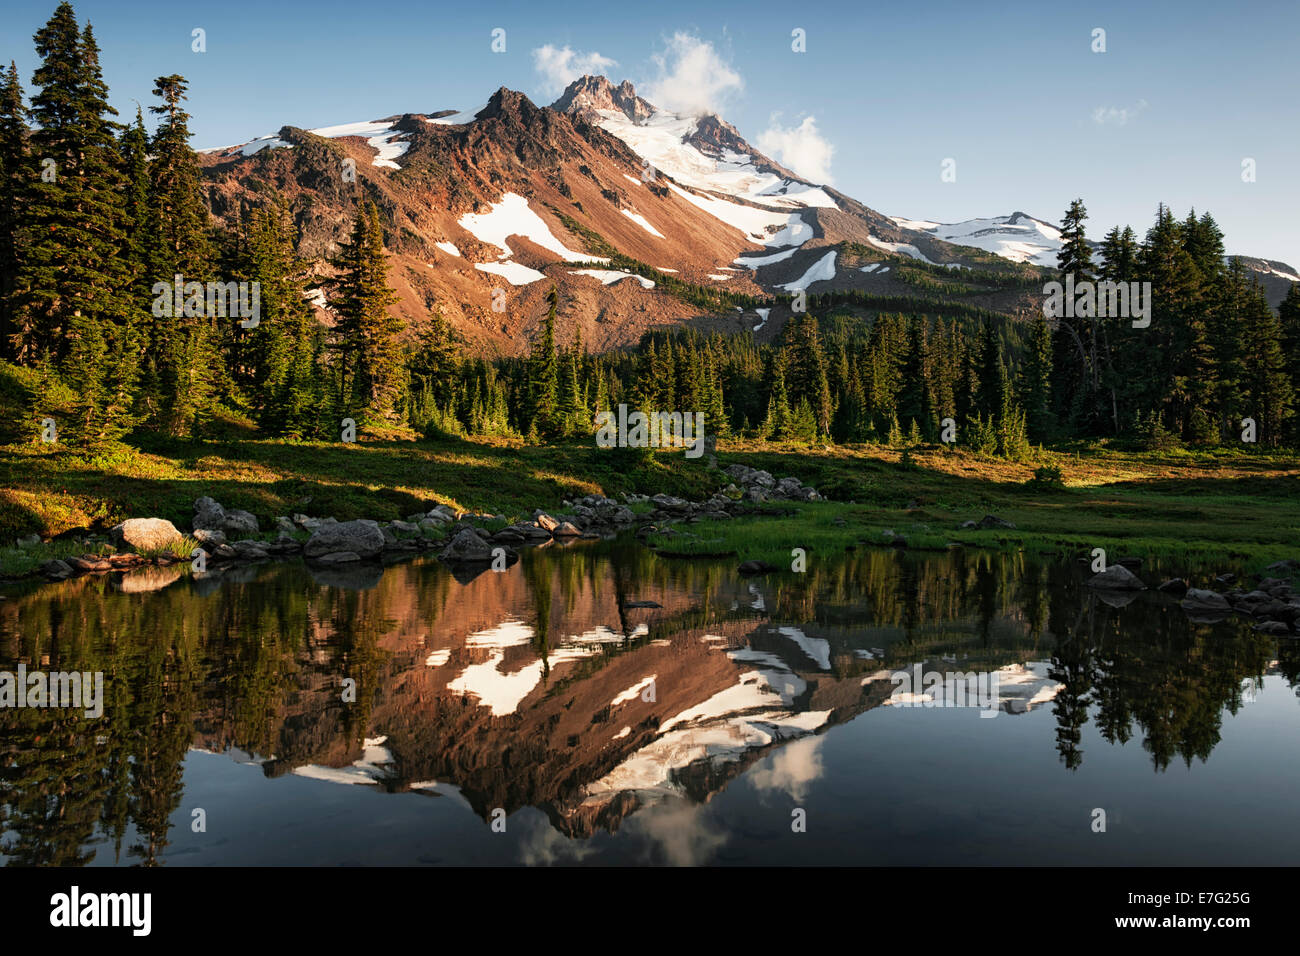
1122,349
1203,241
777,421
688,384
286,378
183,358
806,370
666,377
914,405
1075,254
712,404
1289,320
1119,251
1269,397
14,172
134,147
1079,342
1228,302
70,297
1035,382
571,407
541,410
371,376
991,374
1172,384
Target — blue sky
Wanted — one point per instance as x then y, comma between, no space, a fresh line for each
1012,91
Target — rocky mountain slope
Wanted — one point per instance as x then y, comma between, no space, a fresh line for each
640,217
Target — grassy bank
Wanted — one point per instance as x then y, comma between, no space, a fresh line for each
1201,507
1190,509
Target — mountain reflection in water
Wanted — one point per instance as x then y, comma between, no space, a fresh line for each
592,685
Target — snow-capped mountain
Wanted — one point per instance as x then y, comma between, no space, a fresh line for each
504,201
1022,238
1018,237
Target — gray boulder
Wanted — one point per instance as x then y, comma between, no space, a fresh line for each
210,540
1199,600
363,538
339,557
240,522
1117,578
466,547
208,515
56,570
250,550
144,534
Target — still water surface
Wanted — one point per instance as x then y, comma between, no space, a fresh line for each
598,704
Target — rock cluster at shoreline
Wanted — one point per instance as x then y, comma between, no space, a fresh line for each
1273,603
461,541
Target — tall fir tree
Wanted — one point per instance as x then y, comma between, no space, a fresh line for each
1035,381
184,363
371,375
70,301
14,173
541,414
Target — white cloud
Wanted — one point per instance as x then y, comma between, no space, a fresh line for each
801,148
560,67
791,770
693,77
1113,116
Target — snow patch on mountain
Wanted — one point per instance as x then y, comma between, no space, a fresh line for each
641,221
906,248
456,119
512,272
448,247
378,134
823,270
610,276
754,223
512,217
1017,237
661,140
766,260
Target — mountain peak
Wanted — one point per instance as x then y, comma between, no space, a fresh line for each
588,94
506,100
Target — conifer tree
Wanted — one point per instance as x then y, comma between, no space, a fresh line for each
1035,381
14,173
571,407
544,375
371,371
183,357
285,377
70,301
1267,384
1289,323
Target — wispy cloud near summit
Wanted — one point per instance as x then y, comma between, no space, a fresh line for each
693,78
558,67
